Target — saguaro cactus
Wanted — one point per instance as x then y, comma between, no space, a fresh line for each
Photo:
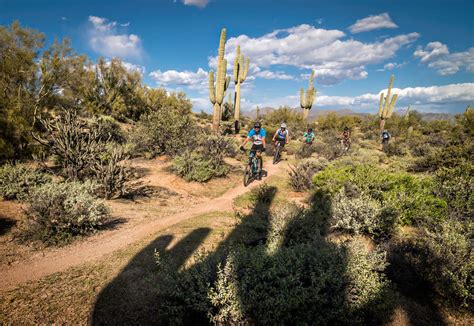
386,104
217,90
240,73
306,100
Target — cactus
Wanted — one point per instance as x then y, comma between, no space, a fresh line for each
228,109
258,113
407,113
240,74
306,100
386,104
217,90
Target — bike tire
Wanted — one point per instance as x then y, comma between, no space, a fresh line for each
276,155
247,174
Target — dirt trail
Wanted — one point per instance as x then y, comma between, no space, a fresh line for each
63,258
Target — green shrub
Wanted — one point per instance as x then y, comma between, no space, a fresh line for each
301,175
18,181
194,166
456,186
412,197
168,130
443,255
395,149
305,151
361,214
59,211
108,129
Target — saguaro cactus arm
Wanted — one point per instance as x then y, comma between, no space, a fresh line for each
212,94
307,99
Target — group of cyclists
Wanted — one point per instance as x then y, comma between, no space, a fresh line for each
281,138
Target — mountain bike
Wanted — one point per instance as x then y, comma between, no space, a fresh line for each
277,154
345,144
253,169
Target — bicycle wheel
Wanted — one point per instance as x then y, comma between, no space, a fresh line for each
276,156
247,173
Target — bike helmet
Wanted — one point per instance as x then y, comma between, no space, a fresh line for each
346,128
283,125
257,125
310,129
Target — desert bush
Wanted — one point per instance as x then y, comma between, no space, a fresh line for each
443,256
332,121
361,214
449,156
18,181
57,212
456,186
301,175
412,197
395,149
327,144
108,129
167,131
194,166
305,151
72,141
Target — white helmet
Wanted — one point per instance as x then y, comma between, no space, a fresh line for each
283,125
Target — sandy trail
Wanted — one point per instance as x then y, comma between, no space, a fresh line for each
60,259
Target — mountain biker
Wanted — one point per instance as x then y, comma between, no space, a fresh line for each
385,136
281,136
309,136
346,138
257,136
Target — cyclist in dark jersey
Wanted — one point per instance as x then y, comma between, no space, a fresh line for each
281,136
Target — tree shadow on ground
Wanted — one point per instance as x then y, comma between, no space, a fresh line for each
417,295
266,271
132,298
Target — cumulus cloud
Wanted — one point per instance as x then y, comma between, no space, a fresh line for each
268,74
332,56
197,3
434,98
438,57
392,65
190,79
372,22
105,39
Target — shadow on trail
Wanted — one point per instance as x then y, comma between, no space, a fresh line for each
271,269
6,224
132,298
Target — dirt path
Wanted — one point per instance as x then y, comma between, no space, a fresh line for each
63,258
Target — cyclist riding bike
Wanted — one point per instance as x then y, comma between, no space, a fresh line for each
280,138
385,139
346,138
257,136
309,136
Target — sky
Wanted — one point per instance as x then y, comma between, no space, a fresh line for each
353,46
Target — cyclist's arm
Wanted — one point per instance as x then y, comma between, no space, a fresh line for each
245,142
287,137
274,136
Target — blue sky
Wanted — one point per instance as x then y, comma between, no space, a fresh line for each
353,46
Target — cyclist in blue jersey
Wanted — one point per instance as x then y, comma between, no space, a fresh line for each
257,136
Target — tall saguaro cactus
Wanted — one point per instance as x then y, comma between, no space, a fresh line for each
306,100
240,74
386,104
217,90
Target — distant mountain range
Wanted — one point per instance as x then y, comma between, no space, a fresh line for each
315,113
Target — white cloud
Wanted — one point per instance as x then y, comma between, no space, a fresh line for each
333,57
432,51
197,3
106,40
372,22
392,65
193,80
431,98
438,57
268,74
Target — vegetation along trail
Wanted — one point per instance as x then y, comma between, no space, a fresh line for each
63,258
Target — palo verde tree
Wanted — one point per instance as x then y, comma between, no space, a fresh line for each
306,100
240,74
217,90
386,104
